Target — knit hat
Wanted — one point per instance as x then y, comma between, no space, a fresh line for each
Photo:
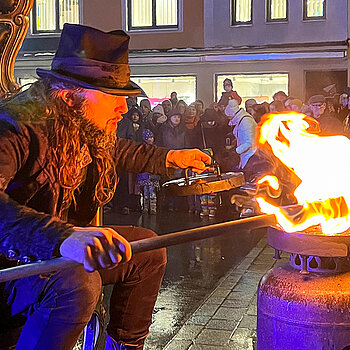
174,111
145,102
317,99
147,134
296,102
232,108
159,109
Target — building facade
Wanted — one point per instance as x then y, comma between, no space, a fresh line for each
299,46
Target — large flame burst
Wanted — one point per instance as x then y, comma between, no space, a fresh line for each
322,163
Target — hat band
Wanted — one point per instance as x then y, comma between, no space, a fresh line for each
93,72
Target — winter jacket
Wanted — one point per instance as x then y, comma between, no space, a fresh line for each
172,137
245,133
30,196
227,96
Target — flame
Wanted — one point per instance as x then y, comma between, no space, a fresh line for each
320,162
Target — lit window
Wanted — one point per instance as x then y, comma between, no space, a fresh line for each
50,15
277,10
314,9
241,12
159,88
261,87
152,14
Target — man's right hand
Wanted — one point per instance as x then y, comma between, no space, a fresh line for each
96,247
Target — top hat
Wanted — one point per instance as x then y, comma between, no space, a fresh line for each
93,59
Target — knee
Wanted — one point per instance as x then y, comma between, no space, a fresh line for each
81,291
156,258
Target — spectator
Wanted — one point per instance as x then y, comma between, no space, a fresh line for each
146,110
245,132
191,117
280,96
172,135
167,106
260,110
277,106
148,183
228,94
173,99
135,116
158,119
249,104
131,101
293,105
181,106
329,125
199,107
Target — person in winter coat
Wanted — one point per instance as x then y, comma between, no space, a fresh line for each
228,94
135,115
158,119
244,130
146,110
172,134
59,158
148,183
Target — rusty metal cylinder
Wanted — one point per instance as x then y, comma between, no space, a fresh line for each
303,312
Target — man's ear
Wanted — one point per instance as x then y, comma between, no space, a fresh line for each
67,97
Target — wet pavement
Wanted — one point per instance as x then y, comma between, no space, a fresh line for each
194,269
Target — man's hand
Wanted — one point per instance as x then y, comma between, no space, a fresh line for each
96,247
186,158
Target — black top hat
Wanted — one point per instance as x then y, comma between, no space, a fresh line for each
93,59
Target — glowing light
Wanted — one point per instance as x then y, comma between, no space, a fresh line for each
320,162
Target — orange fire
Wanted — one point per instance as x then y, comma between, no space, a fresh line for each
322,163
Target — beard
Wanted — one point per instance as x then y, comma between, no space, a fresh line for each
96,139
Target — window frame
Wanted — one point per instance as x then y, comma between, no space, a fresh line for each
233,14
57,31
154,19
313,18
269,19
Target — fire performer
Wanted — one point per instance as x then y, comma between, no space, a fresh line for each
58,160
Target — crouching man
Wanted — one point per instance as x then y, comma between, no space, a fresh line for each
59,158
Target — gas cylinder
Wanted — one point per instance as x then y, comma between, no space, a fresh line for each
303,311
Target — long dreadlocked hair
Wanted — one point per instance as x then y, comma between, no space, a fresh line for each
68,131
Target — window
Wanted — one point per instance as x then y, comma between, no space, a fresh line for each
314,9
50,15
241,12
277,10
152,14
159,88
261,87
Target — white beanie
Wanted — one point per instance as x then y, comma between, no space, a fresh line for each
232,108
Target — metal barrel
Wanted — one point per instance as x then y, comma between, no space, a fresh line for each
303,312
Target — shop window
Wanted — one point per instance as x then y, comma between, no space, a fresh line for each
50,15
261,87
160,88
241,12
277,10
314,9
152,14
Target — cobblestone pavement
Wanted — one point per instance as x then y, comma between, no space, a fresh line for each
226,320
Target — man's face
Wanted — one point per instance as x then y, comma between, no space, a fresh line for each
144,109
166,106
318,109
182,108
105,110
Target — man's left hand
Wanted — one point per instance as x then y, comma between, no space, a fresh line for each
188,158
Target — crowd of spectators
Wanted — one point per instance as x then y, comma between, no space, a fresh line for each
224,130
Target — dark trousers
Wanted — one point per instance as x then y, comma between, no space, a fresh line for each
58,307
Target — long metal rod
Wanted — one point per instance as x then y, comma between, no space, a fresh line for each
147,244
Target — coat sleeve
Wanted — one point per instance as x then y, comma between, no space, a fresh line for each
134,157
25,234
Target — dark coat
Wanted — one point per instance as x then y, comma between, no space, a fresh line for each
172,136
30,194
